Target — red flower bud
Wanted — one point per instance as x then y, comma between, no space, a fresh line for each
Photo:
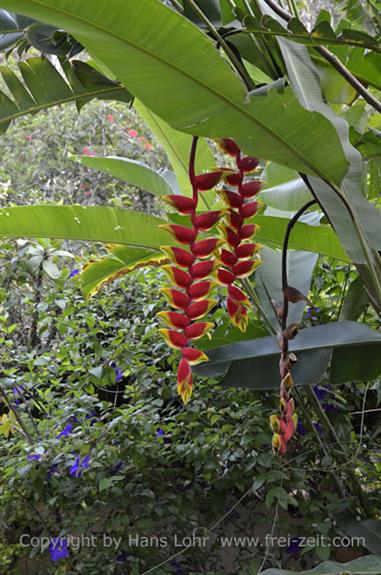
245,268
174,319
184,380
237,295
250,189
279,444
235,219
232,199
233,178
179,277
181,233
232,238
247,250
248,164
207,181
229,146
246,231
238,314
174,338
201,289
183,204
176,298
199,308
193,356
228,258
202,269
249,210
203,248
207,220
179,256
225,277
197,330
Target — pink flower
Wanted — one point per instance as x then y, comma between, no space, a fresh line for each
148,146
28,138
110,118
132,133
87,152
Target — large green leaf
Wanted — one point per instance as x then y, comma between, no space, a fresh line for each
177,146
369,530
369,565
97,224
175,70
42,86
120,261
289,196
131,171
255,364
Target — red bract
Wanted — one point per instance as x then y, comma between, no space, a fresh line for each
200,290
229,146
252,188
183,204
206,221
176,298
247,164
178,255
207,181
204,248
181,233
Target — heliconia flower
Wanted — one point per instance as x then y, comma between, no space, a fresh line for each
245,268
183,204
201,289
249,210
279,444
247,231
231,199
247,250
203,248
202,270
225,277
252,188
174,338
207,181
228,258
184,380
206,221
275,423
228,146
178,255
197,330
199,308
237,295
179,277
232,238
233,179
174,319
193,355
180,233
237,313
176,298
235,219
247,164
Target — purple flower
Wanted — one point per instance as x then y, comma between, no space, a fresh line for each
18,391
58,549
160,432
178,567
117,467
118,372
320,392
52,470
93,417
33,457
329,407
66,430
318,428
294,546
122,557
79,466
300,428
73,273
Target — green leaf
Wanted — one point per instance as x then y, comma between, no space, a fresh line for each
356,301
120,261
255,364
177,146
188,83
136,173
369,530
368,565
42,86
289,196
81,223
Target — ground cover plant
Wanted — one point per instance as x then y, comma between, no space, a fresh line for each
220,188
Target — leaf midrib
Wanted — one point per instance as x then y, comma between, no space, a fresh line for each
39,107
184,73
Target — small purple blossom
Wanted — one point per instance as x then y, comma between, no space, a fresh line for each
79,466
33,457
318,428
320,392
58,548
160,432
52,470
73,273
177,566
122,557
66,430
294,546
301,430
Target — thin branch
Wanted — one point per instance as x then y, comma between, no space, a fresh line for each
176,4
333,60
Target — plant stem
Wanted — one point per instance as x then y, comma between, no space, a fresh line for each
229,52
333,60
177,5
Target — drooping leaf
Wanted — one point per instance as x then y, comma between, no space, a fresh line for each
120,261
255,364
131,171
369,530
289,196
81,223
356,301
42,86
189,84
